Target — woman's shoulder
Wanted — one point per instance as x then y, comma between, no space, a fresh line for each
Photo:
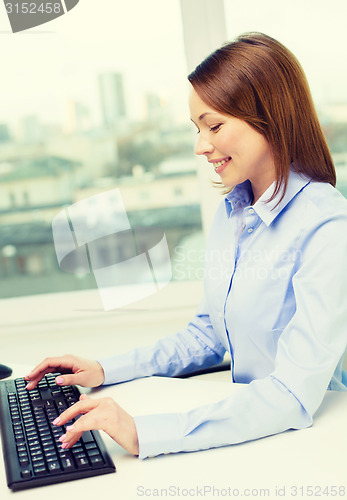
322,200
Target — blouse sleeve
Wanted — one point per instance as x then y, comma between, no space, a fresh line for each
193,348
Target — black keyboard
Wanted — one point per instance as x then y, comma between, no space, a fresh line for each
32,451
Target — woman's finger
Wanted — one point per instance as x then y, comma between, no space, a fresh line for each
79,408
48,365
75,431
69,439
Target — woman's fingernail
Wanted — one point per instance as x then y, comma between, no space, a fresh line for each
70,428
59,380
56,421
62,437
64,445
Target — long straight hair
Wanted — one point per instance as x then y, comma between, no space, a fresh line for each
258,80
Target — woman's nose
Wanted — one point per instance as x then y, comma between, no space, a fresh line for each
203,146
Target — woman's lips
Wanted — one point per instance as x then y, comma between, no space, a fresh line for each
219,169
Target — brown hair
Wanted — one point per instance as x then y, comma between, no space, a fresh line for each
258,80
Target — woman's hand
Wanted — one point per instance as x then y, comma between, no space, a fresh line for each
84,372
99,414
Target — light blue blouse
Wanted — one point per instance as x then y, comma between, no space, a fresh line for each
276,299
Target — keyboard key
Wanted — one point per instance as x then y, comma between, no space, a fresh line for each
67,464
82,463
53,466
87,437
40,471
36,453
64,453
33,442
48,447
32,434
45,433
37,402
76,449
61,404
40,463
29,427
94,452
35,448
90,446
97,460
26,473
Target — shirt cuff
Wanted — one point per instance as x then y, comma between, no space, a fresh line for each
117,369
158,434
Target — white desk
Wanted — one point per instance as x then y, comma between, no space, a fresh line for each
313,457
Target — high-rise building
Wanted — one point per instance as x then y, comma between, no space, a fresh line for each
77,117
112,99
5,135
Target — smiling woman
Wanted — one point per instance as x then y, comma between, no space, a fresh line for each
259,81
275,276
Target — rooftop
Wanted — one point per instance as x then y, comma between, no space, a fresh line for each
45,166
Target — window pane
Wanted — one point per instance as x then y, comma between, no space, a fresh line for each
94,102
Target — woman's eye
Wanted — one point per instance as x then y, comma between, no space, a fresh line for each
216,128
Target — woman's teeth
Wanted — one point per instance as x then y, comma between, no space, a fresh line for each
220,163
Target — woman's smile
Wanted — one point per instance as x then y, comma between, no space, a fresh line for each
220,165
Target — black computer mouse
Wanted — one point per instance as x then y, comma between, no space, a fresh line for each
5,371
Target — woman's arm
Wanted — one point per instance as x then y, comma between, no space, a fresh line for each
193,348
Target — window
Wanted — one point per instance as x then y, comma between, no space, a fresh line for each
104,106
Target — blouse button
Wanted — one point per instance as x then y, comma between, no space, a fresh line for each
251,211
250,229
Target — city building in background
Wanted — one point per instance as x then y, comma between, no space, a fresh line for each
44,169
112,99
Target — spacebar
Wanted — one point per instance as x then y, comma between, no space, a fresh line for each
38,403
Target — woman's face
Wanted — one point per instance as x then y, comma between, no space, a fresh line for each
235,150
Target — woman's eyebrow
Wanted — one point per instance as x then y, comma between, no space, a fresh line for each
204,114
201,117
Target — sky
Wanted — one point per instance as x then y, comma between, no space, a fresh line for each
314,30
45,66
